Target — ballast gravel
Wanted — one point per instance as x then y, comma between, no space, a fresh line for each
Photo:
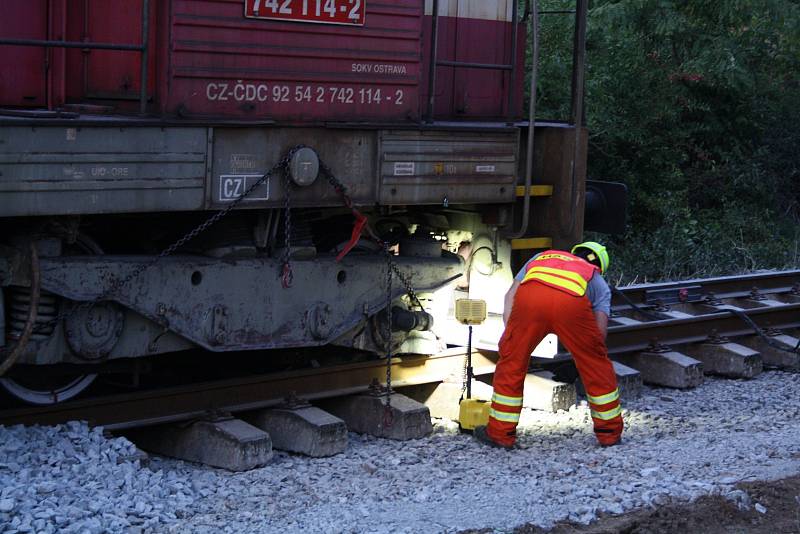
678,446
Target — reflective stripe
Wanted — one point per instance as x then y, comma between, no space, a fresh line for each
610,414
504,416
507,401
575,277
553,255
604,399
570,286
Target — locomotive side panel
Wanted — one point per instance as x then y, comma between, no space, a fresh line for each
223,64
92,170
241,155
444,168
208,60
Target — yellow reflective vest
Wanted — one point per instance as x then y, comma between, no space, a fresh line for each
560,270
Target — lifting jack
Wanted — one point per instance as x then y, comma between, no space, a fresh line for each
471,412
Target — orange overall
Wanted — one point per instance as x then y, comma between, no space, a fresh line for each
551,298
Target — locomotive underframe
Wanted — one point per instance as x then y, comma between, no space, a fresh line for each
435,188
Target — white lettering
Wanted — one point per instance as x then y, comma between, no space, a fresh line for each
233,186
113,171
404,168
211,91
239,91
223,92
229,187
243,91
378,68
361,67
354,14
390,69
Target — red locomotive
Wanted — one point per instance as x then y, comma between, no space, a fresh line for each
228,175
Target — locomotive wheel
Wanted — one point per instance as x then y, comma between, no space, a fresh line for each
46,390
41,388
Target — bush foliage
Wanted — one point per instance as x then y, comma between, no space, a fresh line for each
693,105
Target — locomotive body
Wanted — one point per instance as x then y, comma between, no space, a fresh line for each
126,126
216,60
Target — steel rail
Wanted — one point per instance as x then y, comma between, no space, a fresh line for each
182,403
171,404
705,321
722,287
639,337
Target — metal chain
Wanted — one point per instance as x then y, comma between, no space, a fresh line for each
202,227
406,283
336,184
287,276
392,269
465,374
388,416
348,202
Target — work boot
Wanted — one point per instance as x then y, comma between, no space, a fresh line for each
481,435
609,433
611,444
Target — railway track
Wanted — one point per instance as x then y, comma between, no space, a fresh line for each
733,326
650,325
691,311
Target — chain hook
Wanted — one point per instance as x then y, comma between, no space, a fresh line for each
388,416
287,276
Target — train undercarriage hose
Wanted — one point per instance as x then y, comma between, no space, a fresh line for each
33,311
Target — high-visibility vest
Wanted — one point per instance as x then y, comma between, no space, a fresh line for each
561,270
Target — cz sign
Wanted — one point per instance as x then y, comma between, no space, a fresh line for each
320,11
233,186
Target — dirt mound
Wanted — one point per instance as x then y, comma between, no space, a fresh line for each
779,505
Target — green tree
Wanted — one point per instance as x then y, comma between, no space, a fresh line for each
693,104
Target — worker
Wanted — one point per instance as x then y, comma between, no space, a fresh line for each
562,293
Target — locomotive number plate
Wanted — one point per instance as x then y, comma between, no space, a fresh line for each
320,11
233,186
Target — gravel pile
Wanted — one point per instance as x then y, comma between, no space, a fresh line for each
678,446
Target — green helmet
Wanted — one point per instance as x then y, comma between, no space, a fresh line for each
594,253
